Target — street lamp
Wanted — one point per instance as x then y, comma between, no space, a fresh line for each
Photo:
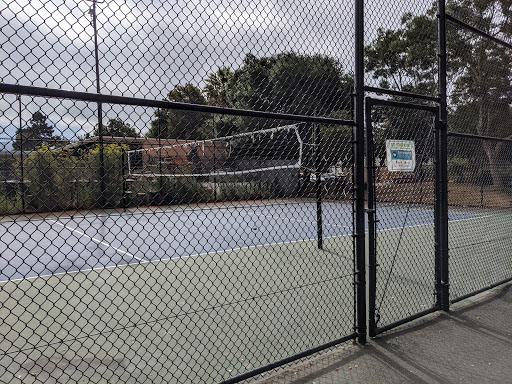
92,12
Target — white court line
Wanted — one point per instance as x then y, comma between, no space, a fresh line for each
299,221
210,253
98,241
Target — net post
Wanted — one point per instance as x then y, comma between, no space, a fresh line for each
214,161
102,158
22,166
160,184
442,159
318,185
124,182
359,230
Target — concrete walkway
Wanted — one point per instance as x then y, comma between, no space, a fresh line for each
471,344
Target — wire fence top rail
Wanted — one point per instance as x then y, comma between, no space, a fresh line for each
112,99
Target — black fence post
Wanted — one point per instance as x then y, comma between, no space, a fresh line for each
437,212
359,230
443,160
372,222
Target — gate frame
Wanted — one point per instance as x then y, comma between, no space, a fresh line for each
373,329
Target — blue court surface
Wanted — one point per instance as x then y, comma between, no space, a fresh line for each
62,244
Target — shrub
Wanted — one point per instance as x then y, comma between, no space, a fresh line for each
113,174
180,190
59,180
243,190
10,204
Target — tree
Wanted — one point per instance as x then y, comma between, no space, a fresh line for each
482,87
291,83
285,82
217,87
406,59
479,70
38,133
117,128
180,124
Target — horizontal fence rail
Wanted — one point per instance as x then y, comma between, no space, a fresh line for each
111,99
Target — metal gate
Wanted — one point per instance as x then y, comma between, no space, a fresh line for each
403,273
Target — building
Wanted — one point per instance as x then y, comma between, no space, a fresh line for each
162,156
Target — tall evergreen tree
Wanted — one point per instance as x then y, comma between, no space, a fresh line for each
180,124
37,133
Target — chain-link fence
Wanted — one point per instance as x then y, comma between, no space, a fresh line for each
401,41
182,184
194,222
480,185
479,146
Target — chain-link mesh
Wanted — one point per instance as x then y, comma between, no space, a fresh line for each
132,276
169,243
480,174
479,167
492,17
403,188
189,217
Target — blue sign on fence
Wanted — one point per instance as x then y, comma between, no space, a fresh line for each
401,155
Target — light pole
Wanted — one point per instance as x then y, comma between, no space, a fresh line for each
92,12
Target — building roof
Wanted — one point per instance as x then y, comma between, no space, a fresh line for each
12,153
123,140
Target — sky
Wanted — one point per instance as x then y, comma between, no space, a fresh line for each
148,47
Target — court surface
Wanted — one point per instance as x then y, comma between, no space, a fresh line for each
62,244
200,294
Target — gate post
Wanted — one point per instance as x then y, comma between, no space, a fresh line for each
359,232
372,221
442,160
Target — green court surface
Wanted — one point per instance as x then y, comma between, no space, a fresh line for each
209,317
195,319
479,255
480,251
